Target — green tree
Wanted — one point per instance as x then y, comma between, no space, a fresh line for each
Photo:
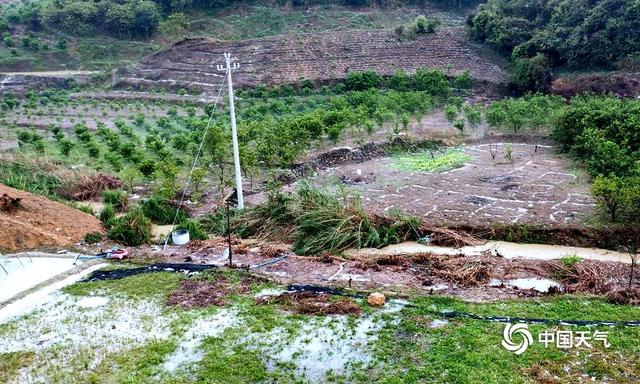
130,175
361,81
532,74
610,194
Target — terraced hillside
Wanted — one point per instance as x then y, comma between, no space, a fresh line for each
191,64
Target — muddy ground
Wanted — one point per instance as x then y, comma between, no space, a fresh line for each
538,187
480,278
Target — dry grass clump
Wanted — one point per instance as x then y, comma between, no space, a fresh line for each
625,296
461,270
587,276
318,222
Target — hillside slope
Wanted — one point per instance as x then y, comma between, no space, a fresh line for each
317,57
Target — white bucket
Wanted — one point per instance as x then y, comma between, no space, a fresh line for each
180,237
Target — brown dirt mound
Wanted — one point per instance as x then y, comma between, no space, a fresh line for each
41,222
310,303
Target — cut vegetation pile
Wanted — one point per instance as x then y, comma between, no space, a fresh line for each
310,303
41,222
209,292
317,222
89,187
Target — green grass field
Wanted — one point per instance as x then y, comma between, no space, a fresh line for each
390,346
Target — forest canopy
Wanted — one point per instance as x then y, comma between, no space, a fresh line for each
574,33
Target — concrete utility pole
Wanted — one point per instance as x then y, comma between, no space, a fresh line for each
234,134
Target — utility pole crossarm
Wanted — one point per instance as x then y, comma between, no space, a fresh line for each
234,134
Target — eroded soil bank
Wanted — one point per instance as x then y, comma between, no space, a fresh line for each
469,272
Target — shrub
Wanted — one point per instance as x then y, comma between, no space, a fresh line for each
148,167
463,80
196,232
618,196
423,25
450,112
93,237
159,211
107,215
117,199
361,81
459,125
65,146
93,150
132,229
532,74
83,133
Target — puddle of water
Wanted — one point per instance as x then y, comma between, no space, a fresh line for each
330,344
24,273
437,287
270,292
58,332
92,302
437,323
535,283
189,349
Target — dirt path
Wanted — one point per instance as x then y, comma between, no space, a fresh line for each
499,248
50,73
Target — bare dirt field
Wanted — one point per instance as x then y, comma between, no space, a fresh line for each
316,57
538,187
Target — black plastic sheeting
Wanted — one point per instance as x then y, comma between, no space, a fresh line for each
196,268
187,269
459,314
506,319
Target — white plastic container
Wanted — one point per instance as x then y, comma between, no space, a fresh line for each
180,237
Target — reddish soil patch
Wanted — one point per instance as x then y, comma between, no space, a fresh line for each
618,83
204,293
309,303
40,222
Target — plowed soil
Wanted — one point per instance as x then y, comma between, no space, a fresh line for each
40,222
318,57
